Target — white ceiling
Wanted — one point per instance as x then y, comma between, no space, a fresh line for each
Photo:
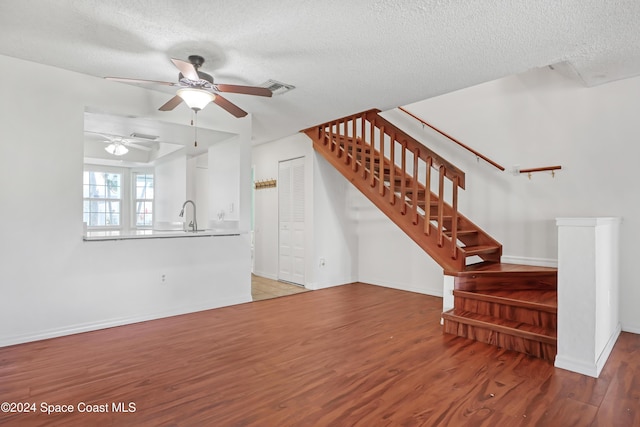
343,56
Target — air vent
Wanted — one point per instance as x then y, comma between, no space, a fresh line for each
277,88
144,136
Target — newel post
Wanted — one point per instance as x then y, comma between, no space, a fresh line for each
588,286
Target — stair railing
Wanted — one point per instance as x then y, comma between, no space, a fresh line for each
399,170
451,138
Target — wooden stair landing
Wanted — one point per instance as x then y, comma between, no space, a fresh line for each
506,305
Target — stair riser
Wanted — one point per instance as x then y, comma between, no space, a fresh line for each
509,312
512,282
501,339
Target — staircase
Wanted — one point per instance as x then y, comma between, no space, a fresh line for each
506,305
501,304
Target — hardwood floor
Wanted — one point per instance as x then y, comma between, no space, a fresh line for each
350,355
263,288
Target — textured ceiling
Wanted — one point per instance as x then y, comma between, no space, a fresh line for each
342,56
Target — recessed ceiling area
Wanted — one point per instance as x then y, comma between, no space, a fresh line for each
169,139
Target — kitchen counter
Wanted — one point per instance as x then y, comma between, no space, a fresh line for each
157,234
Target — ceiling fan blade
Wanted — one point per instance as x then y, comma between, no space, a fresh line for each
126,80
137,146
171,104
229,106
247,90
186,68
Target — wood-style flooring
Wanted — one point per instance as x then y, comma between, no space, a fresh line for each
263,288
353,355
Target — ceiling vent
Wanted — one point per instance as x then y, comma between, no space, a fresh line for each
277,88
144,136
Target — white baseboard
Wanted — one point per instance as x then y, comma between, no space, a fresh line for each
314,286
587,367
574,365
266,275
94,326
606,352
632,329
538,262
434,292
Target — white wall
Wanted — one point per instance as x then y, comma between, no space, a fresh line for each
224,169
51,281
540,118
335,229
202,189
388,257
170,190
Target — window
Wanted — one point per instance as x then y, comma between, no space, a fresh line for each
102,194
143,199
117,198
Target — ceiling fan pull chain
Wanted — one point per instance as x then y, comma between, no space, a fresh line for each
195,142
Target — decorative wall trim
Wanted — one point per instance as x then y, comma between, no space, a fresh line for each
539,262
95,326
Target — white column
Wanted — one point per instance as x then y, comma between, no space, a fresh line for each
588,316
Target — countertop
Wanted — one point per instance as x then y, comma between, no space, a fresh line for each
157,234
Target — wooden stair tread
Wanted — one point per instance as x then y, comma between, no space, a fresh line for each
510,327
497,267
479,249
541,300
461,233
444,217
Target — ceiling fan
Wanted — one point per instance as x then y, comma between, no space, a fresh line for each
119,146
197,88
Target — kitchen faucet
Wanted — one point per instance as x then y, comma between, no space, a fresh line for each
194,223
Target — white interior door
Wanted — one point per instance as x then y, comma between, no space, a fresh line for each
291,221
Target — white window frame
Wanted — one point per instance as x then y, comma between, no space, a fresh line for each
127,195
134,200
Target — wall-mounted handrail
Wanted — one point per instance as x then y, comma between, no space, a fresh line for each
446,135
542,169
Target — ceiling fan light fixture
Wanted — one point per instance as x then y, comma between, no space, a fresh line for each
116,149
196,99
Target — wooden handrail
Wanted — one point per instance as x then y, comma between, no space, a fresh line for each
542,169
412,145
466,147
